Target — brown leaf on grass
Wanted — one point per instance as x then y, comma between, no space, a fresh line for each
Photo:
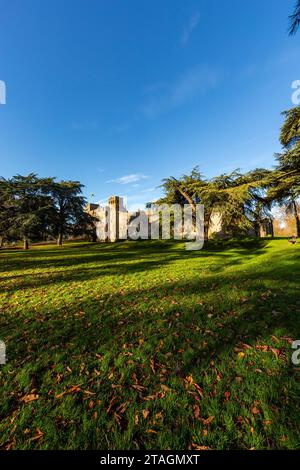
39,434
88,392
276,351
136,419
287,339
267,422
114,386
117,418
255,410
111,403
275,338
145,414
262,347
196,411
208,420
227,395
71,390
165,388
240,420
246,346
10,444
197,447
152,366
151,397
122,408
194,395
199,390
138,387
74,389
29,398
151,431
189,379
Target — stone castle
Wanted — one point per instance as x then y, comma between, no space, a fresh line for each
111,224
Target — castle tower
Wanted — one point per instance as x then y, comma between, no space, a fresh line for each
117,219
114,208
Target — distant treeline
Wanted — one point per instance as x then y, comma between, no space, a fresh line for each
33,208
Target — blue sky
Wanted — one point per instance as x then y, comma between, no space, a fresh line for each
121,93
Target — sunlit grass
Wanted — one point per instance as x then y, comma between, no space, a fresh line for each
146,345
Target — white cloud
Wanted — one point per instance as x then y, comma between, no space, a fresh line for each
126,179
192,83
85,125
149,190
189,27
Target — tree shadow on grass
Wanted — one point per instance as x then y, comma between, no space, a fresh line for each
115,259
180,335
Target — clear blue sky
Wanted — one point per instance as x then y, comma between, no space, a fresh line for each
121,93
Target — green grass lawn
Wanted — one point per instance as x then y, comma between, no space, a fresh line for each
144,345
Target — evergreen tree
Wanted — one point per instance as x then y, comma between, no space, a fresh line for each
69,216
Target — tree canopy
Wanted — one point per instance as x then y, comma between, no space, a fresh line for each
295,19
33,208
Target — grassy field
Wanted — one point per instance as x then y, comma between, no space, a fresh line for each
143,345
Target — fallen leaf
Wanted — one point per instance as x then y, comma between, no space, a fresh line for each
275,351
152,366
255,410
196,447
196,411
267,422
208,420
30,397
39,434
199,390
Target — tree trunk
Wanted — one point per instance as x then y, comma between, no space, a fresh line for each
272,228
206,225
59,239
297,218
193,206
256,226
188,198
1,242
25,243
